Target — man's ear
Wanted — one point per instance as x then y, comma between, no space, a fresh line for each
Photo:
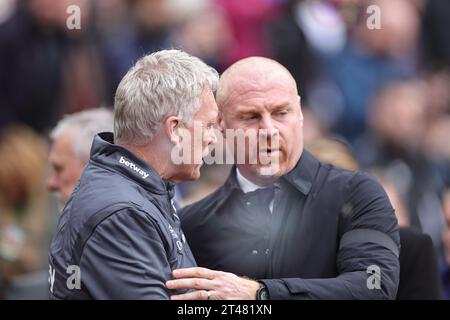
300,106
171,127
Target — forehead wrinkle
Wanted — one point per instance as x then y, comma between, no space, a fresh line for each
254,98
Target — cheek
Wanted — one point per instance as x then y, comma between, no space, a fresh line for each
55,176
71,174
67,179
291,139
293,133
244,125
63,175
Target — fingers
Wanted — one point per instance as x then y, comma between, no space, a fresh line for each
196,273
195,283
195,295
201,279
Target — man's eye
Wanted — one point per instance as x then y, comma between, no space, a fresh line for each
281,112
250,117
57,168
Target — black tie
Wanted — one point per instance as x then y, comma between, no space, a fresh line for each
266,196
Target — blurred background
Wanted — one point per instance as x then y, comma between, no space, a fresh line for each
383,93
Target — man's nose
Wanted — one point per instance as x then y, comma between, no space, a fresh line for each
267,126
52,183
211,137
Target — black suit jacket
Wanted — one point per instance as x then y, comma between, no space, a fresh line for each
419,273
330,231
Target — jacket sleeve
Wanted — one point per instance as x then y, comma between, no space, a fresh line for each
125,258
367,260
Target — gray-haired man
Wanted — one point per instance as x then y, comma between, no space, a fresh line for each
71,145
119,236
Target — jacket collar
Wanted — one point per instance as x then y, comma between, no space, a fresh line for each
301,176
123,161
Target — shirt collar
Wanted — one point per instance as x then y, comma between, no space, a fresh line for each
245,184
301,177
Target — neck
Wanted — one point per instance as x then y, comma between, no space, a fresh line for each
153,157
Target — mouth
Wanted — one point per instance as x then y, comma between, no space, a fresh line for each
205,154
269,151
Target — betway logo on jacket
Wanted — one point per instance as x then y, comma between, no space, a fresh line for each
131,165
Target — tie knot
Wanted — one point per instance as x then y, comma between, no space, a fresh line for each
266,195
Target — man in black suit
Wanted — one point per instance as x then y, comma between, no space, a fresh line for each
300,228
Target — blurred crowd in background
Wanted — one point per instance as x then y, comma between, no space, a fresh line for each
384,93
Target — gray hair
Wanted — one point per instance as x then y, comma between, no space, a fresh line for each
161,84
84,125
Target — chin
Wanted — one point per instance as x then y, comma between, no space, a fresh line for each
63,198
195,175
276,169
269,171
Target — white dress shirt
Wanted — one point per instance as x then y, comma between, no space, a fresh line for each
249,186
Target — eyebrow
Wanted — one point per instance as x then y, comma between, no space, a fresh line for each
281,107
248,111
278,107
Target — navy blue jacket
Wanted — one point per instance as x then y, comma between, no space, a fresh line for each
332,235
119,228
